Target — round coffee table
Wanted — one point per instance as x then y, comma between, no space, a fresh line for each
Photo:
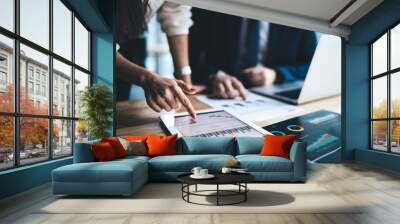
238,179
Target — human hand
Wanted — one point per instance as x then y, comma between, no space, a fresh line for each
199,88
168,94
259,76
227,87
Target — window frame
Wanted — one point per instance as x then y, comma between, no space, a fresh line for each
388,74
16,114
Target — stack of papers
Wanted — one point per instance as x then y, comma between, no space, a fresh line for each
254,108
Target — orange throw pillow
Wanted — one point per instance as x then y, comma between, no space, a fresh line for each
277,145
103,152
116,145
161,145
135,137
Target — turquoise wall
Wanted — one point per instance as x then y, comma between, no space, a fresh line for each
355,95
98,15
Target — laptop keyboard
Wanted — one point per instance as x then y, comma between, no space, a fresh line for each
292,94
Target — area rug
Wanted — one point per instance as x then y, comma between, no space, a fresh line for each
166,198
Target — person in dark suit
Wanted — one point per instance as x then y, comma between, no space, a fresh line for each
228,53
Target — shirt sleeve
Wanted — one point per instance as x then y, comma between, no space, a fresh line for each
175,19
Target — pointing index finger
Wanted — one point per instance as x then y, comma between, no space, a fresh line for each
184,100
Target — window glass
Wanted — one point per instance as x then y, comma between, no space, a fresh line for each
379,56
81,131
7,14
62,91
33,140
39,62
6,74
379,135
379,98
395,47
6,142
81,81
81,45
62,138
34,80
34,21
395,94
62,29
395,136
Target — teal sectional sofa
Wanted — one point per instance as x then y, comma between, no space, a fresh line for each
125,176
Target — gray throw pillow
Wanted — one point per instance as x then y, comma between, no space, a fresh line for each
135,147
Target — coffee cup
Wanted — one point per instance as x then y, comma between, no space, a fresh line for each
196,171
226,170
203,172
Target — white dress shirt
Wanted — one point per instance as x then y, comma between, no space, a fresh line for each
175,19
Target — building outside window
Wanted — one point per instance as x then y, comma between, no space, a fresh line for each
3,78
385,91
30,72
38,89
3,61
3,72
43,90
37,75
52,134
44,77
30,87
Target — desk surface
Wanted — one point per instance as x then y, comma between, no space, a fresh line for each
134,117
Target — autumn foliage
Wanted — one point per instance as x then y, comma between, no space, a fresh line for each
380,127
33,131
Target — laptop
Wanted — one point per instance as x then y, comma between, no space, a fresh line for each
323,78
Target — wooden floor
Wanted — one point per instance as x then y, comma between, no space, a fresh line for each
379,189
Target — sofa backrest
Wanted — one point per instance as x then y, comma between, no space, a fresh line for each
206,145
83,153
249,145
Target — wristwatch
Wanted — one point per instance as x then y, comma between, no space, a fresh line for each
184,71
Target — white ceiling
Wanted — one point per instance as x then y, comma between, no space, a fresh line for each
324,9
324,16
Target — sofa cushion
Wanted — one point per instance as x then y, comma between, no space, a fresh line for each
103,152
116,145
161,145
134,147
249,145
257,163
277,145
185,163
112,171
206,145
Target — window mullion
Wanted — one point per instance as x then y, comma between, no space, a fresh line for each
73,82
50,81
389,103
16,69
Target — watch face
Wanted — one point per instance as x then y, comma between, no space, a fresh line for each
183,71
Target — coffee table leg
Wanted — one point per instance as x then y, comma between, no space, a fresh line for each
195,188
245,193
217,194
188,189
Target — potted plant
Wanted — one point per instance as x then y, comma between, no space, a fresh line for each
96,104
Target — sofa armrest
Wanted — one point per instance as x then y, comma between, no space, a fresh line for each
83,152
298,155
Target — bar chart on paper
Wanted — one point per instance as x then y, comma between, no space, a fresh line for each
254,108
214,124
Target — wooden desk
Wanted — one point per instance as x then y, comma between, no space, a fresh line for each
135,117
